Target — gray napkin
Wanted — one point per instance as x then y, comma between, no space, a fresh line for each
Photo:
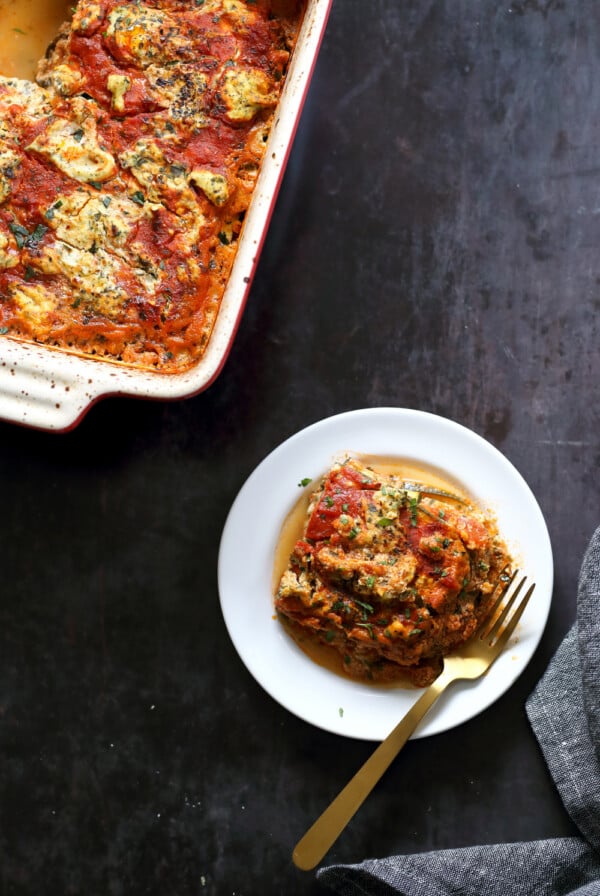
564,711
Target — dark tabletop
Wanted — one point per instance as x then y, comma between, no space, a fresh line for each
435,246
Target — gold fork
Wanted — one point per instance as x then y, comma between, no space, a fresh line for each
475,658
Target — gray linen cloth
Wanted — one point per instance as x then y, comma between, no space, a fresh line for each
564,711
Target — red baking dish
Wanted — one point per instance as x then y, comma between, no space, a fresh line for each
46,388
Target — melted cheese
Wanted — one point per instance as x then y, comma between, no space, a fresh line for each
167,184
9,256
35,302
87,17
181,89
9,161
214,186
143,35
237,14
245,92
34,100
75,150
86,221
94,276
162,181
65,79
118,85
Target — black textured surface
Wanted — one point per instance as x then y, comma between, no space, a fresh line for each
435,245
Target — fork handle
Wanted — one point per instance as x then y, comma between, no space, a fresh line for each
319,838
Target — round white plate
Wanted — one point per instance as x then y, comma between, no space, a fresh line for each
247,555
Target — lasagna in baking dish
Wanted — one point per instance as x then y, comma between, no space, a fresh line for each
389,576
126,171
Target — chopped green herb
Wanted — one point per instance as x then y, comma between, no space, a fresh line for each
384,521
38,234
138,197
366,607
304,482
20,234
23,237
78,135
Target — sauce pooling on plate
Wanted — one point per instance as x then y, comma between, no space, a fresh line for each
386,577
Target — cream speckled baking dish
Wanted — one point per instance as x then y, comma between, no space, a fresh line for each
49,389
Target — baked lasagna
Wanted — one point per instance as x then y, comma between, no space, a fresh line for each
126,171
388,576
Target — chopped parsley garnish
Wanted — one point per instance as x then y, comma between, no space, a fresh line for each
304,482
367,608
24,238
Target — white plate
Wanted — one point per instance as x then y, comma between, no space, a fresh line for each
247,552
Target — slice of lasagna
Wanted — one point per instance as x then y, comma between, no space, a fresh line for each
390,578
127,169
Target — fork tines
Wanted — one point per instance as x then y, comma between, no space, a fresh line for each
491,628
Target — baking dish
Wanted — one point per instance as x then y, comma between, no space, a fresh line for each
47,388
